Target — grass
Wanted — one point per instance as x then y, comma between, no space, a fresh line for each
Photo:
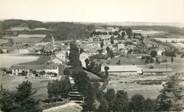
38,84
41,60
27,40
127,60
2,41
127,83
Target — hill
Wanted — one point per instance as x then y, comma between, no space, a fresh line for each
60,30
72,30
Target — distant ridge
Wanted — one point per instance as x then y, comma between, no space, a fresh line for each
145,24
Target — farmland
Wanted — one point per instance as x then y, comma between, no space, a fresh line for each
11,82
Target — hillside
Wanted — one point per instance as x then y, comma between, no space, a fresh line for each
60,30
71,30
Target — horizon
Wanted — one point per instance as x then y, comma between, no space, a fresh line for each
102,11
118,23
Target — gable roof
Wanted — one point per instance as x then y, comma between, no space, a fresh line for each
35,67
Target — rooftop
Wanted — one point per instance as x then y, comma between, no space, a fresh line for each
122,68
93,77
35,67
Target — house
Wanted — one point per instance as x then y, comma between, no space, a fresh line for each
123,69
38,70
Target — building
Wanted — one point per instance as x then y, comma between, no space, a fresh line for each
123,69
47,70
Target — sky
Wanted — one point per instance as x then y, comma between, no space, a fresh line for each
94,10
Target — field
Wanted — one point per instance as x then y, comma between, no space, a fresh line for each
127,60
7,60
2,41
11,82
129,84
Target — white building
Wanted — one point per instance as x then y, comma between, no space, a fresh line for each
123,69
43,70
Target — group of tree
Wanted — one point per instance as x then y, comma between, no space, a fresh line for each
60,30
119,102
58,89
74,55
171,97
85,86
87,89
21,100
92,66
110,52
129,32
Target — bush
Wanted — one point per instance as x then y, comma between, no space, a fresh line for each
58,89
153,53
137,103
149,105
171,98
120,103
20,101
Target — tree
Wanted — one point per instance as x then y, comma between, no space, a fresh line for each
87,89
59,88
20,101
137,103
171,98
66,71
6,100
128,32
153,53
24,99
120,103
108,50
81,50
112,39
101,44
106,68
172,59
87,62
149,105
100,51
74,55
104,106
110,96
123,35
111,54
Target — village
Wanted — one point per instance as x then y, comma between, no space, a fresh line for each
137,62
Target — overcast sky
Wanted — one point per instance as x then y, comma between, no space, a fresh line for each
94,10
